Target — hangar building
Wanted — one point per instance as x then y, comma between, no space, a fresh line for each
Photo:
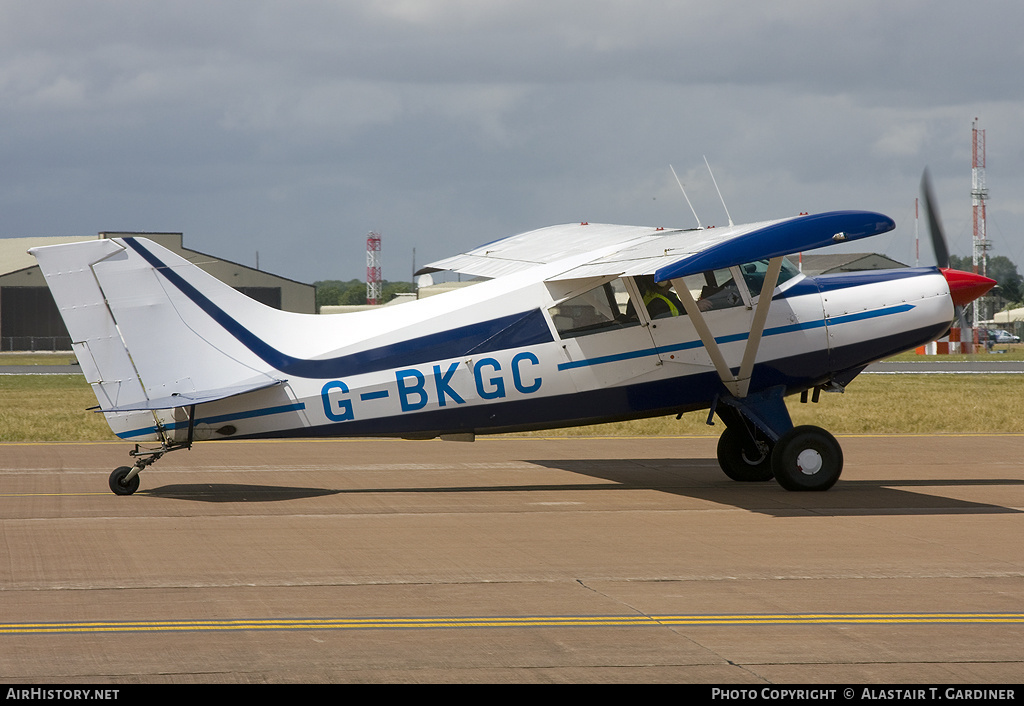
29,319
813,264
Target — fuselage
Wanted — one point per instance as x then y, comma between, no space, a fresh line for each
519,353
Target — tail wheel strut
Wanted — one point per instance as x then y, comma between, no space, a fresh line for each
125,479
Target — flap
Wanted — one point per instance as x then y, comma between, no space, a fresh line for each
544,246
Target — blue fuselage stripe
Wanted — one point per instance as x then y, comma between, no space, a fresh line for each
219,419
774,331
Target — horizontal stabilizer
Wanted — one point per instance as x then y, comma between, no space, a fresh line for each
187,399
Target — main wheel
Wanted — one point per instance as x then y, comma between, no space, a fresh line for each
118,484
742,458
807,458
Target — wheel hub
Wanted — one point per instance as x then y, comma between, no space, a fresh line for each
809,462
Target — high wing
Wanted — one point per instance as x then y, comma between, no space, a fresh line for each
544,246
594,250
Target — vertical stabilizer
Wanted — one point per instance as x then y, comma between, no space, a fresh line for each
143,341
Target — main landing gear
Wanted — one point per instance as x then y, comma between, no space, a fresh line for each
807,458
745,455
760,443
804,458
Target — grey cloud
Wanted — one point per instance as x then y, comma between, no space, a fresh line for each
445,123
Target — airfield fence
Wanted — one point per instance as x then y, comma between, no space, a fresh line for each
35,343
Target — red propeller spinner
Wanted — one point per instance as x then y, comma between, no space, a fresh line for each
965,287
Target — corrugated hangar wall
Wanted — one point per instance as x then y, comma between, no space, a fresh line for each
29,319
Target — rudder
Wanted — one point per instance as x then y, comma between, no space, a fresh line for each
134,313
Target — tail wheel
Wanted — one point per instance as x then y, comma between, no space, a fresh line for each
744,458
118,483
807,458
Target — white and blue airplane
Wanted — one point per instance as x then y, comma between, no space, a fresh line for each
573,324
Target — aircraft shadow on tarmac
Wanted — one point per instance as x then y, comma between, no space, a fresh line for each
702,479
235,492
694,478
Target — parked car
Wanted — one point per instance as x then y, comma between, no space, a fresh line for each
1002,336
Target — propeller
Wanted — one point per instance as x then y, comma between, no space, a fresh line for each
938,235
964,287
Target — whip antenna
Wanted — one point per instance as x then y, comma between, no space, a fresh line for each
719,191
686,197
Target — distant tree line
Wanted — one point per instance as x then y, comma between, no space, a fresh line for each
332,292
1003,271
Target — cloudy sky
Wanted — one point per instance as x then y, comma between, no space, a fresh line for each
292,129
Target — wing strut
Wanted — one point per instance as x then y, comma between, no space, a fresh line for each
737,385
771,279
706,337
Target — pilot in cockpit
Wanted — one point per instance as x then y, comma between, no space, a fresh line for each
719,297
659,298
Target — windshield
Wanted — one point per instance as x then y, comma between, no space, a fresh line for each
754,273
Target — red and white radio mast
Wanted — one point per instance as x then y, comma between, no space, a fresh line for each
373,280
979,194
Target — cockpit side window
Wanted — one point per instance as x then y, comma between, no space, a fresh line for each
604,307
660,298
609,305
714,289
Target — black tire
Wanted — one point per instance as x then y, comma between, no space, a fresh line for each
117,483
807,458
741,459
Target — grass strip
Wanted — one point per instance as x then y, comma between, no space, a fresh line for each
55,408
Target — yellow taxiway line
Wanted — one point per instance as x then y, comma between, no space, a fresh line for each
414,623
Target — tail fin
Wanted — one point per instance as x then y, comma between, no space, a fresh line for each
141,321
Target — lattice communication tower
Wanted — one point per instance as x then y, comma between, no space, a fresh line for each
979,194
373,280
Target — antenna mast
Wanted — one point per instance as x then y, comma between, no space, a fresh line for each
979,194
373,280
686,197
715,182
